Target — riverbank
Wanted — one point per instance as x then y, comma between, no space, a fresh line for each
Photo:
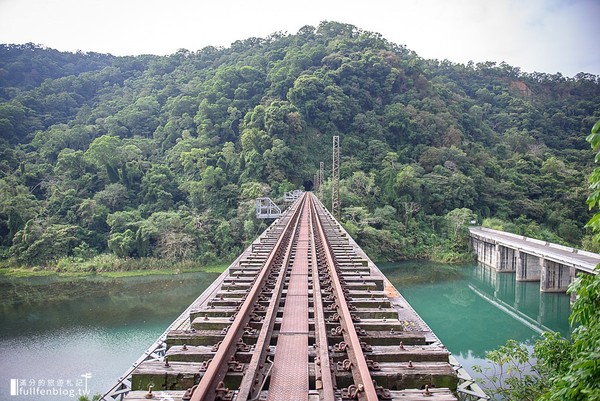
110,266
443,255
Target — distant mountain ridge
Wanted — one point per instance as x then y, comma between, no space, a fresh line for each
161,156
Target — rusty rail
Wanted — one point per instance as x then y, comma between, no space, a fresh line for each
304,315
325,382
364,389
248,388
212,378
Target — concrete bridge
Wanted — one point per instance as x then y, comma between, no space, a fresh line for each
554,266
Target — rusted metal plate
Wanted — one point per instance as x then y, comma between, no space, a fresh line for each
289,378
300,264
300,267
298,285
295,315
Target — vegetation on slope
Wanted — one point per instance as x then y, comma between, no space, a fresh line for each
162,157
560,369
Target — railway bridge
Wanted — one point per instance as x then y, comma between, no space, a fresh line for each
301,314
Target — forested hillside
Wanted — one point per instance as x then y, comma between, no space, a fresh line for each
163,156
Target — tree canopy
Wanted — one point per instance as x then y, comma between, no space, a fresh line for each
163,155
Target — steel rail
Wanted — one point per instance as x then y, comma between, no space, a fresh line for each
326,386
365,389
302,275
290,378
218,367
247,387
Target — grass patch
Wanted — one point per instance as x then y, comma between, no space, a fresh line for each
444,255
106,265
219,268
25,272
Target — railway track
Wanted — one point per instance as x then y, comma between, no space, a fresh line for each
300,316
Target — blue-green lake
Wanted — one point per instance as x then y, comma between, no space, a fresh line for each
54,330
472,309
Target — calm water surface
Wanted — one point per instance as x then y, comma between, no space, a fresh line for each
54,330
473,309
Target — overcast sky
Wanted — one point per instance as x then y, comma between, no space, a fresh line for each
536,35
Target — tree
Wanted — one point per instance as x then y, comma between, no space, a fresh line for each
176,246
43,243
122,244
580,378
140,118
565,370
104,152
278,161
113,196
17,207
458,221
103,143
159,189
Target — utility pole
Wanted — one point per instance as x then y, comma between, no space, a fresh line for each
335,179
321,178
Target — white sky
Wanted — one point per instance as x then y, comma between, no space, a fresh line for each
536,35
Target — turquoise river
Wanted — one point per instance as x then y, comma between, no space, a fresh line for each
63,337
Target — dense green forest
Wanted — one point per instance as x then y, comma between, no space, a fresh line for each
163,156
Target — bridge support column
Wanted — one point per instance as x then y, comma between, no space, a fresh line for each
555,277
506,259
494,255
529,267
486,251
573,275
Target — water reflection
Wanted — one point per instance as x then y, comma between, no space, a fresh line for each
522,300
53,328
57,329
473,309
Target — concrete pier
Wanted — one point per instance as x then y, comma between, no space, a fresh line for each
554,266
529,267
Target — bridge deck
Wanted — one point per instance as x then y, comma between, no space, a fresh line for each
585,261
302,314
